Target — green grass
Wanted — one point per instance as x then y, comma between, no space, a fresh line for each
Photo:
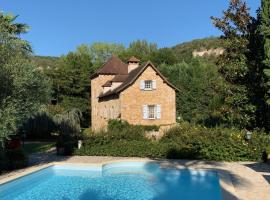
38,147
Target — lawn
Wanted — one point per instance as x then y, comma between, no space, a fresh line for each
38,147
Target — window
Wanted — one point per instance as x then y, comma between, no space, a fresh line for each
151,112
148,85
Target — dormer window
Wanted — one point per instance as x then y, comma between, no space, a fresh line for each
148,85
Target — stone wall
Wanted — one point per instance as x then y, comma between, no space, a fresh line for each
133,98
100,113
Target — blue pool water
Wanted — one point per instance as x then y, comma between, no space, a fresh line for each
119,181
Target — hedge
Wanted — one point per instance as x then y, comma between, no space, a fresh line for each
185,141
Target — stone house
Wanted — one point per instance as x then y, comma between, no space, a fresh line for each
134,92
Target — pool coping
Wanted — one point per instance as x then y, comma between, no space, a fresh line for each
231,175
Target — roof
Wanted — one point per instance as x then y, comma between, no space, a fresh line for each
133,59
116,78
132,77
119,78
114,66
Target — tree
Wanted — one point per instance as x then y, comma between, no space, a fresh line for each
233,64
140,49
164,55
7,24
265,33
100,52
201,91
23,87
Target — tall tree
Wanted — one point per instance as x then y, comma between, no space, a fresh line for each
7,24
101,51
265,30
201,91
233,64
140,49
23,87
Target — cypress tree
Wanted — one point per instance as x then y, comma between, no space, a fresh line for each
265,30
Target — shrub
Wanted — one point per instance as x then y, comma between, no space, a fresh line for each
120,125
68,123
16,158
3,160
184,141
40,126
266,153
117,125
66,145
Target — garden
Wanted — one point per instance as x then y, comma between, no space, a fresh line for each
223,103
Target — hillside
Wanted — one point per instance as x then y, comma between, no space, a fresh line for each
207,48
45,61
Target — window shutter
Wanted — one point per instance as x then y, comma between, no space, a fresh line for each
158,111
145,112
142,85
154,84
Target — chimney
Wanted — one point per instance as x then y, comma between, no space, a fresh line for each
133,63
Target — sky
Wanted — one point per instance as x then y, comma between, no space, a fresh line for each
59,26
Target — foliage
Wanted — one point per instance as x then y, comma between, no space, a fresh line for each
265,30
15,159
68,123
163,56
184,141
45,62
120,125
141,49
100,52
19,78
7,24
217,143
201,91
39,126
70,82
233,64
184,51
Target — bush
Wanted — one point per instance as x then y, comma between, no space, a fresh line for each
3,161
218,143
16,159
266,153
185,141
66,145
68,123
40,126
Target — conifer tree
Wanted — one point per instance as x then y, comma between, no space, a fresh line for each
265,30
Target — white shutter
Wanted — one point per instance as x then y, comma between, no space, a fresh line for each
154,84
158,111
145,112
142,85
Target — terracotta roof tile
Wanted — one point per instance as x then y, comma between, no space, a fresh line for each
114,66
119,78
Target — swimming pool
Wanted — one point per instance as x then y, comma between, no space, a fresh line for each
116,181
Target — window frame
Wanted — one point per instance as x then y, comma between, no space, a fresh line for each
148,83
151,114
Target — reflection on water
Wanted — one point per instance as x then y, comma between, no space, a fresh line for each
134,181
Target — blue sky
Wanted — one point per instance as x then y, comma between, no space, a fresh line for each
58,26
